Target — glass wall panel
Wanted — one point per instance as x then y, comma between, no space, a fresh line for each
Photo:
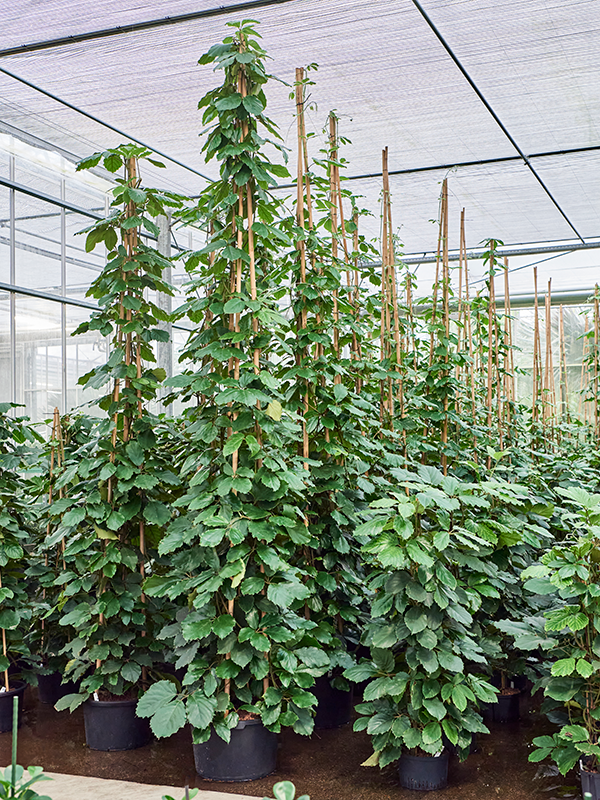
37,244
5,350
4,235
568,340
39,361
4,158
87,191
39,173
82,267
84,352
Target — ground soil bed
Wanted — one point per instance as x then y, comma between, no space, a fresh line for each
326,766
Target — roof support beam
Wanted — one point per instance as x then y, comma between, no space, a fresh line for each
234,8
482,162
496,118
525,250
104,124
47,198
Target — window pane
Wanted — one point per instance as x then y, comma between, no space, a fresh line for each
37,244
39,356
82,267
4,235
40,176
84,352
5,351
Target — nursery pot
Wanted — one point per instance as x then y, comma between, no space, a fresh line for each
251,754
51,688
334,705
423,773
506,709
113,725
6,705
590,782
453,749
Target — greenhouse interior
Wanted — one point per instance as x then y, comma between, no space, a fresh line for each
300,400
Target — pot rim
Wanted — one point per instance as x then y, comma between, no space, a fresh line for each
439,755
104,703
587,771
243,722
21,686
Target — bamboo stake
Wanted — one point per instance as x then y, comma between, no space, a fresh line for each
509,361
442,215
437,267
582,388
302,180
470,370
333,157
537,358
242,89
550,395
563,382
461,333
490,343
356,348
4,649
596,366
446,313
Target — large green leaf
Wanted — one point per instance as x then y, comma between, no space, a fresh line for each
564,666
540,586
9,619
157,513
157,696
77,617
415,619
284,594
130,671
435,707
432,733
168,719
223,625
233,443
200,710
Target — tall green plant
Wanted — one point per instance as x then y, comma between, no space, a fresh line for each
16,532
571,639
241,634
119,481
428,653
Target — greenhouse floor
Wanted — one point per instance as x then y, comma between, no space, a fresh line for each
80,787
326,766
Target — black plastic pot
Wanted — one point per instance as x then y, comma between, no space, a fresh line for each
6,706
51,688
507,708
453,749
334,706
590,782
251,754
423,773
113,725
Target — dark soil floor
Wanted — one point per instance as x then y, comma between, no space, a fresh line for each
325,766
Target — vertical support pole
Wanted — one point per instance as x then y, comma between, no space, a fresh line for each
13,760
12,278
537,358
164,350
63,291
491,340
563,382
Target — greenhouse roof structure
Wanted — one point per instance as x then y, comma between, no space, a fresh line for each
501,97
